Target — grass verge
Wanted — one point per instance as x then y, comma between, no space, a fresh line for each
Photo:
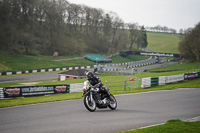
171,126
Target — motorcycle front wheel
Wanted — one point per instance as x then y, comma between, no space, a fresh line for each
89,103
113,102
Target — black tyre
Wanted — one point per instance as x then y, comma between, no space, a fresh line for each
89,104
113,102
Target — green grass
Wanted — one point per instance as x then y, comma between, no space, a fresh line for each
23,62
171,126
163,42
39,99
181,66
119,59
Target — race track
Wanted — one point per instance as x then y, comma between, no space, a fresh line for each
134,111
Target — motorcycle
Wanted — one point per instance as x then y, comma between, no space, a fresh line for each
93,98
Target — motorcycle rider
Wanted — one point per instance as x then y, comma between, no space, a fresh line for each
96,83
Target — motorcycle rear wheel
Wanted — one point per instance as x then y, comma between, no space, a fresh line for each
89,104
113,102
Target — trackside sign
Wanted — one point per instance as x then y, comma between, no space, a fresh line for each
157,54
126,53
174,78
25,91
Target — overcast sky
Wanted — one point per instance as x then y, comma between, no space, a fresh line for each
174,14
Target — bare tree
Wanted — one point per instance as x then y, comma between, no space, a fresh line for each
189,46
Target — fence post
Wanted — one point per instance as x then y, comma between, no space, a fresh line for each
125,84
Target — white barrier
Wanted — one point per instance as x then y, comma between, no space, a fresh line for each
162,80
9,73
34,71
1,93
76,87
174,78
57,69
42,70
146,82
64,69
19,72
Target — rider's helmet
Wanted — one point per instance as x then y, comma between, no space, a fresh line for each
90,75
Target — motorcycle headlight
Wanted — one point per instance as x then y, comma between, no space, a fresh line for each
85,88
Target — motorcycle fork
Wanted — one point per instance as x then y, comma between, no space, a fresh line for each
91,97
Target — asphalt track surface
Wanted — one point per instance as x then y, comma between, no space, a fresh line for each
134,111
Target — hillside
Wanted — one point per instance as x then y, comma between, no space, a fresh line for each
159,42
23,62
163,42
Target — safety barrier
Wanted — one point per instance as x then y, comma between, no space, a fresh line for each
31,91
1,93
78,87
162,80
46,70
129,65
149,82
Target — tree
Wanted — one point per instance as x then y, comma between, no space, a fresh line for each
137,36
190,45
46,26
144,38
181,31
132,34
